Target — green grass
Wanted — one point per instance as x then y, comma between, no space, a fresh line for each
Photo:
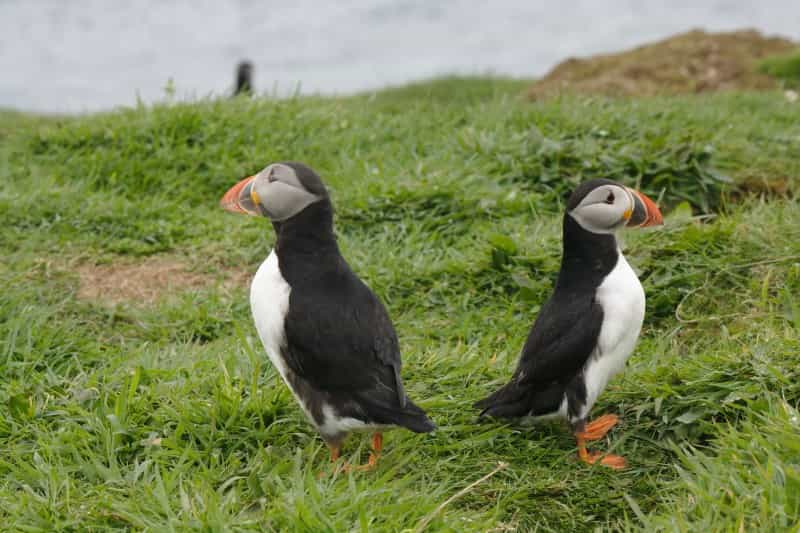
785,67
170,417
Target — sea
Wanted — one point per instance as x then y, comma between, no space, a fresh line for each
61,56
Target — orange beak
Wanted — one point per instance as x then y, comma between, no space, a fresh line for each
645,211
239,198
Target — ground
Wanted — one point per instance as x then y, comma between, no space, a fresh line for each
158,410
691,62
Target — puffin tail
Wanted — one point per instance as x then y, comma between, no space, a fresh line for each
414,418
510,400
410,416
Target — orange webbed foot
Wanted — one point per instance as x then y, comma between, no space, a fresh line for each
610,460
617,462
598,428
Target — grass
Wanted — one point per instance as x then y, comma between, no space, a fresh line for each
169,416
785,67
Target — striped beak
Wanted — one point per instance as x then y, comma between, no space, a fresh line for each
645,211
241,198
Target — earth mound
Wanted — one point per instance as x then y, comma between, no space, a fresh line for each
691,62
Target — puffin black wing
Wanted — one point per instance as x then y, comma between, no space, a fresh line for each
340,339
562,339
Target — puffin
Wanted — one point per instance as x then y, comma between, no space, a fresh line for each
244,78
587,329
326,333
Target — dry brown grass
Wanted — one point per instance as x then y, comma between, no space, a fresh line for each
690,62
150,279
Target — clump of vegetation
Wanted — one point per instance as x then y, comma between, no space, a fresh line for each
674,172
785,67
164,412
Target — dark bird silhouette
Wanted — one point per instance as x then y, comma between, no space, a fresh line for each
244,78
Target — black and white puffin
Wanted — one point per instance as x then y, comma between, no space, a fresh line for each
327,334
589,327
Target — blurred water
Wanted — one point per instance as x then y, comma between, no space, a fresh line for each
59,55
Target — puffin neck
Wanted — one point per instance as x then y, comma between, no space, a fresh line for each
587,257
308,233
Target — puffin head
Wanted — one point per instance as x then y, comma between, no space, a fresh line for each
279,192
604,206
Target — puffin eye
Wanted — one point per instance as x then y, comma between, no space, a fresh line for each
610,198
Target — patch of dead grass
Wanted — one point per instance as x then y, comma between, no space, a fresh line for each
148,280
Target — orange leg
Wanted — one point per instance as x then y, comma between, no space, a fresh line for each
377,446
610,460
598,428
345,466
336,451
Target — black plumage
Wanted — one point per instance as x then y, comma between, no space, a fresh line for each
339,338
244,78
564,334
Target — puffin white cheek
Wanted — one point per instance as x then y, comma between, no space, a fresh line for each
282,201
598,218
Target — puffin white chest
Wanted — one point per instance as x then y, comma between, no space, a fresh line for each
269,303
622,299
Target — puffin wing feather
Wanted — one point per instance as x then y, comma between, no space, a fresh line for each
340,337
560,342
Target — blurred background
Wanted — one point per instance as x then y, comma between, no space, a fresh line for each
89,55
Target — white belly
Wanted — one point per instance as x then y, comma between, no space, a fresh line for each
269,303
622,299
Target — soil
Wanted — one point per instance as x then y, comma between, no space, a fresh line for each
148,280
691,62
